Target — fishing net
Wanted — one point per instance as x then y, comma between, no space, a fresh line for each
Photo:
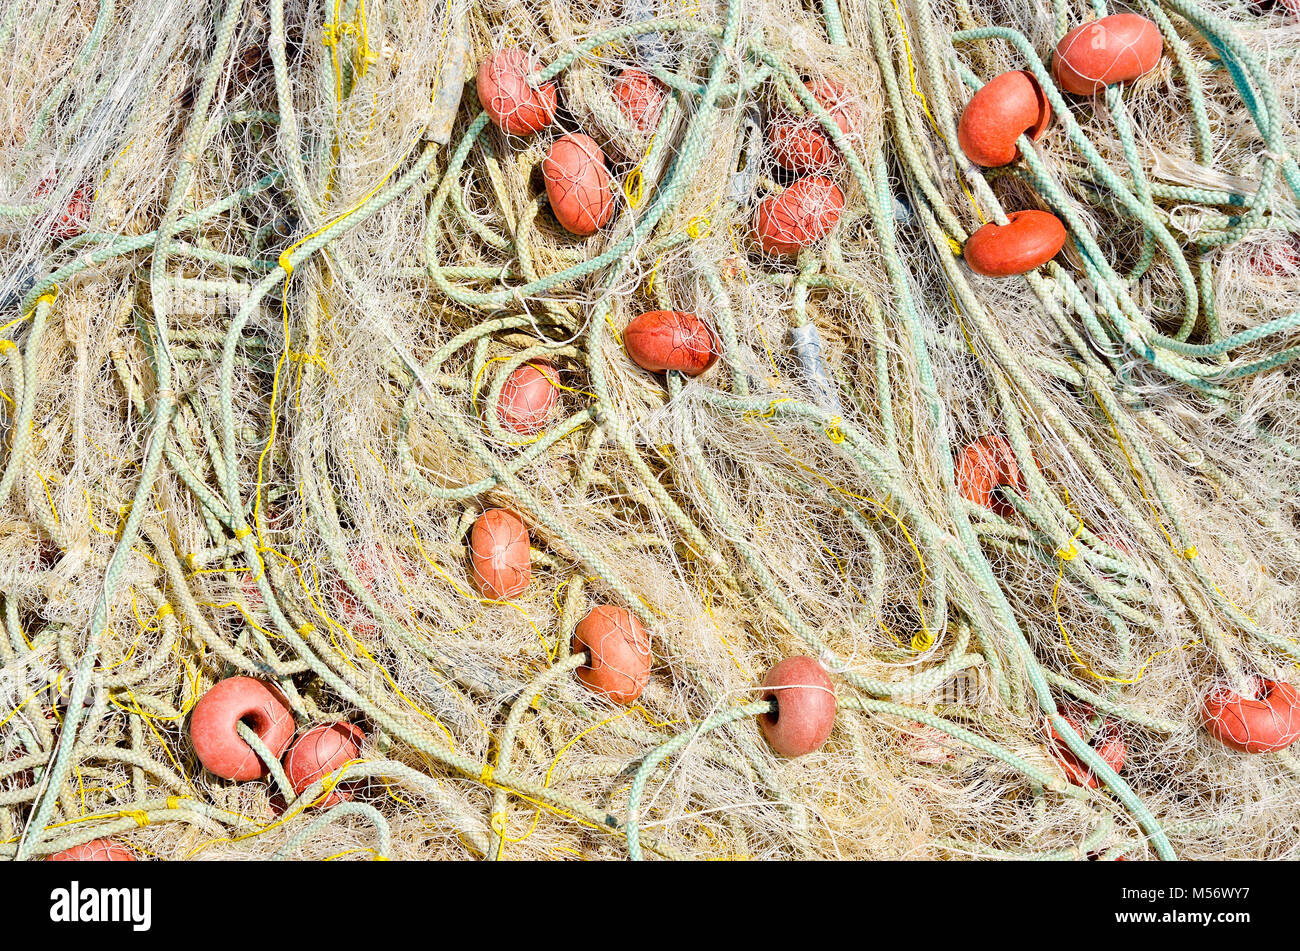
294,294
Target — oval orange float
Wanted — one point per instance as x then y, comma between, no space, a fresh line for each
1108,741
232,701
319,752
641,97
800,144
577,183
250,593
805,706
982,467
1027,241
513,105
661,340
1114,49
1265,723
800,216
498,552
923,743
1277,259
618,649
369,572
76,213
528,396
1003,109
96,850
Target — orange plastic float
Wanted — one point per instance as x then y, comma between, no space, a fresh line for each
641,97
1027,241
354,614
661,340
1108,741
805,706
618,646
1003,109
922,743
800,144
1279,258
528,397
800,216
96,850
577,184
512,104
250,594
235,700
76,214
1114,49
985,465
319,752
1264,723
498,553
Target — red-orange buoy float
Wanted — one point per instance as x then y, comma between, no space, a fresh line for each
1027,241
1265,723
1003,109
528,396
577,183
96,850
76,213
805,706
923,743
985,465
319,752
220,748
619,653
671,340
1265,6
800,144
1277,259
250,593
1108,741
800,216
509,101
641,97
1114,49
498,553
376,576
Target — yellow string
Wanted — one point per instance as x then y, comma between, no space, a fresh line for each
547,781
1064,555
920,593
1190,552
634,184
46,298
925,107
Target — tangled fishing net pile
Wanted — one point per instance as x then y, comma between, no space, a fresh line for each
352,508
